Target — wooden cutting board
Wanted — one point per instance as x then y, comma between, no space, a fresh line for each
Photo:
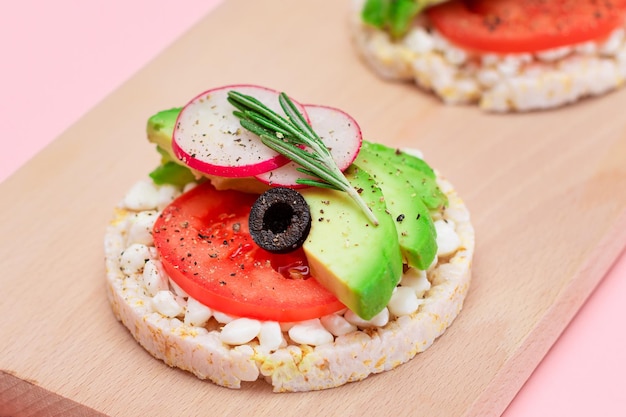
547,193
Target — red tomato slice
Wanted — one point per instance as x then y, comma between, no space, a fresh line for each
513,26
205,246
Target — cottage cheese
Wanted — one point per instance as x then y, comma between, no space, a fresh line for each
314,354
497,83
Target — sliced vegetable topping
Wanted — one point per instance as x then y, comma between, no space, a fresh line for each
206,248
160,128
280,220
169,172
208,137
402,190
516,26
358,263
394,16
261,256
339,132
288,136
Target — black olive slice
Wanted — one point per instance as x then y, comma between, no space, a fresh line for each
280,220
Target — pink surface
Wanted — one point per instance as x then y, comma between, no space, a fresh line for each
61,58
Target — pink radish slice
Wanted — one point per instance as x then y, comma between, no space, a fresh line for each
339,132
210,139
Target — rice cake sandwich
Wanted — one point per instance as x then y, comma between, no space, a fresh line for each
503,55
274,243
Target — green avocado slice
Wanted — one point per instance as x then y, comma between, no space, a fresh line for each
358,262
415,169
160,128
416,231
394,16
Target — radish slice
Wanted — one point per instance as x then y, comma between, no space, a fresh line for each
339,132
210,139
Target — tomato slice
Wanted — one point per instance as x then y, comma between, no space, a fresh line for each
205,246
515,26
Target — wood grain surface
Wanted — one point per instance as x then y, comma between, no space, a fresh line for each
547,192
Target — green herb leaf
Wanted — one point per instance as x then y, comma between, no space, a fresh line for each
287,136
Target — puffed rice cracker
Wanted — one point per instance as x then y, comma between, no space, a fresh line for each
154,313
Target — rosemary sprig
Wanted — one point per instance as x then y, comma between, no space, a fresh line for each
287,136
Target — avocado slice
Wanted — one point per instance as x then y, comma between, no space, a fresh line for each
358,262
160,129
399,157
420,174
394,16
415,228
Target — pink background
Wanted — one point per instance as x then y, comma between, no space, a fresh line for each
61,58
